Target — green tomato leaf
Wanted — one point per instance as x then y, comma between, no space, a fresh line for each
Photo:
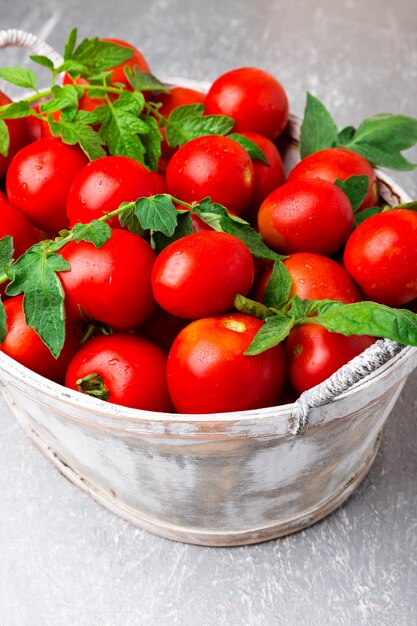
144,81
361,216
70,44
381,139
252,307
98,56
65,99
129,220
356,188
318,130
250,146
16,110
3,327
6,252
188,122
184,227
35,275
345,135
77,132
121,130
74,69
278,288
275,330
216,216
42,60
4,138
19,76
152,143
157,213
131,102
96,232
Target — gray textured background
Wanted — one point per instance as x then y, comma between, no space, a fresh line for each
66,561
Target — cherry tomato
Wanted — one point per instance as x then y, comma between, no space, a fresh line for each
208,371
24,345
111,284
14,223
334,163
212,166
380,255
267,176
314,277
254,98
200,274
313,354
38,180
17,134
132,369
306,216
104,184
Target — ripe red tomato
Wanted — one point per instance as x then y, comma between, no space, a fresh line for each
334,163
212,166
38,180
380,255
313,354
200,274
17,134
104,184
111,284
306,216
133,371
208,371
24,345
14,223
267,176
254,98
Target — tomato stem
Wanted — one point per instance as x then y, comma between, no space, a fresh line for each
93,385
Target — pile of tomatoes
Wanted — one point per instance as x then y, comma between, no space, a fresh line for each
160,332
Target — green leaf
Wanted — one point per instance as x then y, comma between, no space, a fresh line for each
98,56
370,318
383,137
70,44
216,216
361,216
188,122
184,227
129,220
4,138
65,98
250,146
6,251
35,275
129,101
96,232
76,132
278,287
144,81
42,60
275,330
252,307
16,110
157,213
152,143
298,308
318,130
356,188
19,76
3,327
74,69
345,135
121,130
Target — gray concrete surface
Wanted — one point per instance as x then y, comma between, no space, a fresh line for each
66,561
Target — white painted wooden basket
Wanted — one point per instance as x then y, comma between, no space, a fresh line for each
223,479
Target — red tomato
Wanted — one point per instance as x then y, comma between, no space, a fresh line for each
313,354
17,134
212,166
254,98
39,178
208,371
380,255
162,328
267,176
14,223
111,284
314,277
334,163
133,371
104,184
200,274
306,216
24,345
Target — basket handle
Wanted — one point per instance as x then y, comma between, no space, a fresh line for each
22,39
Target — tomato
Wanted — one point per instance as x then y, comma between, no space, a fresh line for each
14,223
111,284
104,184
212,166
306,216
200,274
334,163
254,98
38,180
315,277
380,255
208,371
24,345
313,354
162,328
17,134
267,176
132,369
